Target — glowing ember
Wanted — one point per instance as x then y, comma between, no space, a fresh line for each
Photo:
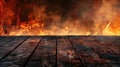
65,17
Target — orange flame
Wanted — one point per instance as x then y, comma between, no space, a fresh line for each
106,21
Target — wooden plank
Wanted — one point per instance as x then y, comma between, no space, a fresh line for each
2,37
111,44
45,54
83,64
13,49
112,49
94,51
94,47
6,40
85,52
10,46
19,56
67,57
29,57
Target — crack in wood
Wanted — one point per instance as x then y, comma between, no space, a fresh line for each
80,58
31,53
14,49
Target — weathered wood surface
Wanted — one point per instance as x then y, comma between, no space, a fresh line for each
67,56
52,51
45,54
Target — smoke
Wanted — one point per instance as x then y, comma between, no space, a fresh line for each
58,13
63,15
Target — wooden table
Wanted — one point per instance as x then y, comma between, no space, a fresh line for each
59,51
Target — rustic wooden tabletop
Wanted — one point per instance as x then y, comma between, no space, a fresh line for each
60,51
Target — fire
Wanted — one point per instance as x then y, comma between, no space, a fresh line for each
113,28
31,18
23,29
107,20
